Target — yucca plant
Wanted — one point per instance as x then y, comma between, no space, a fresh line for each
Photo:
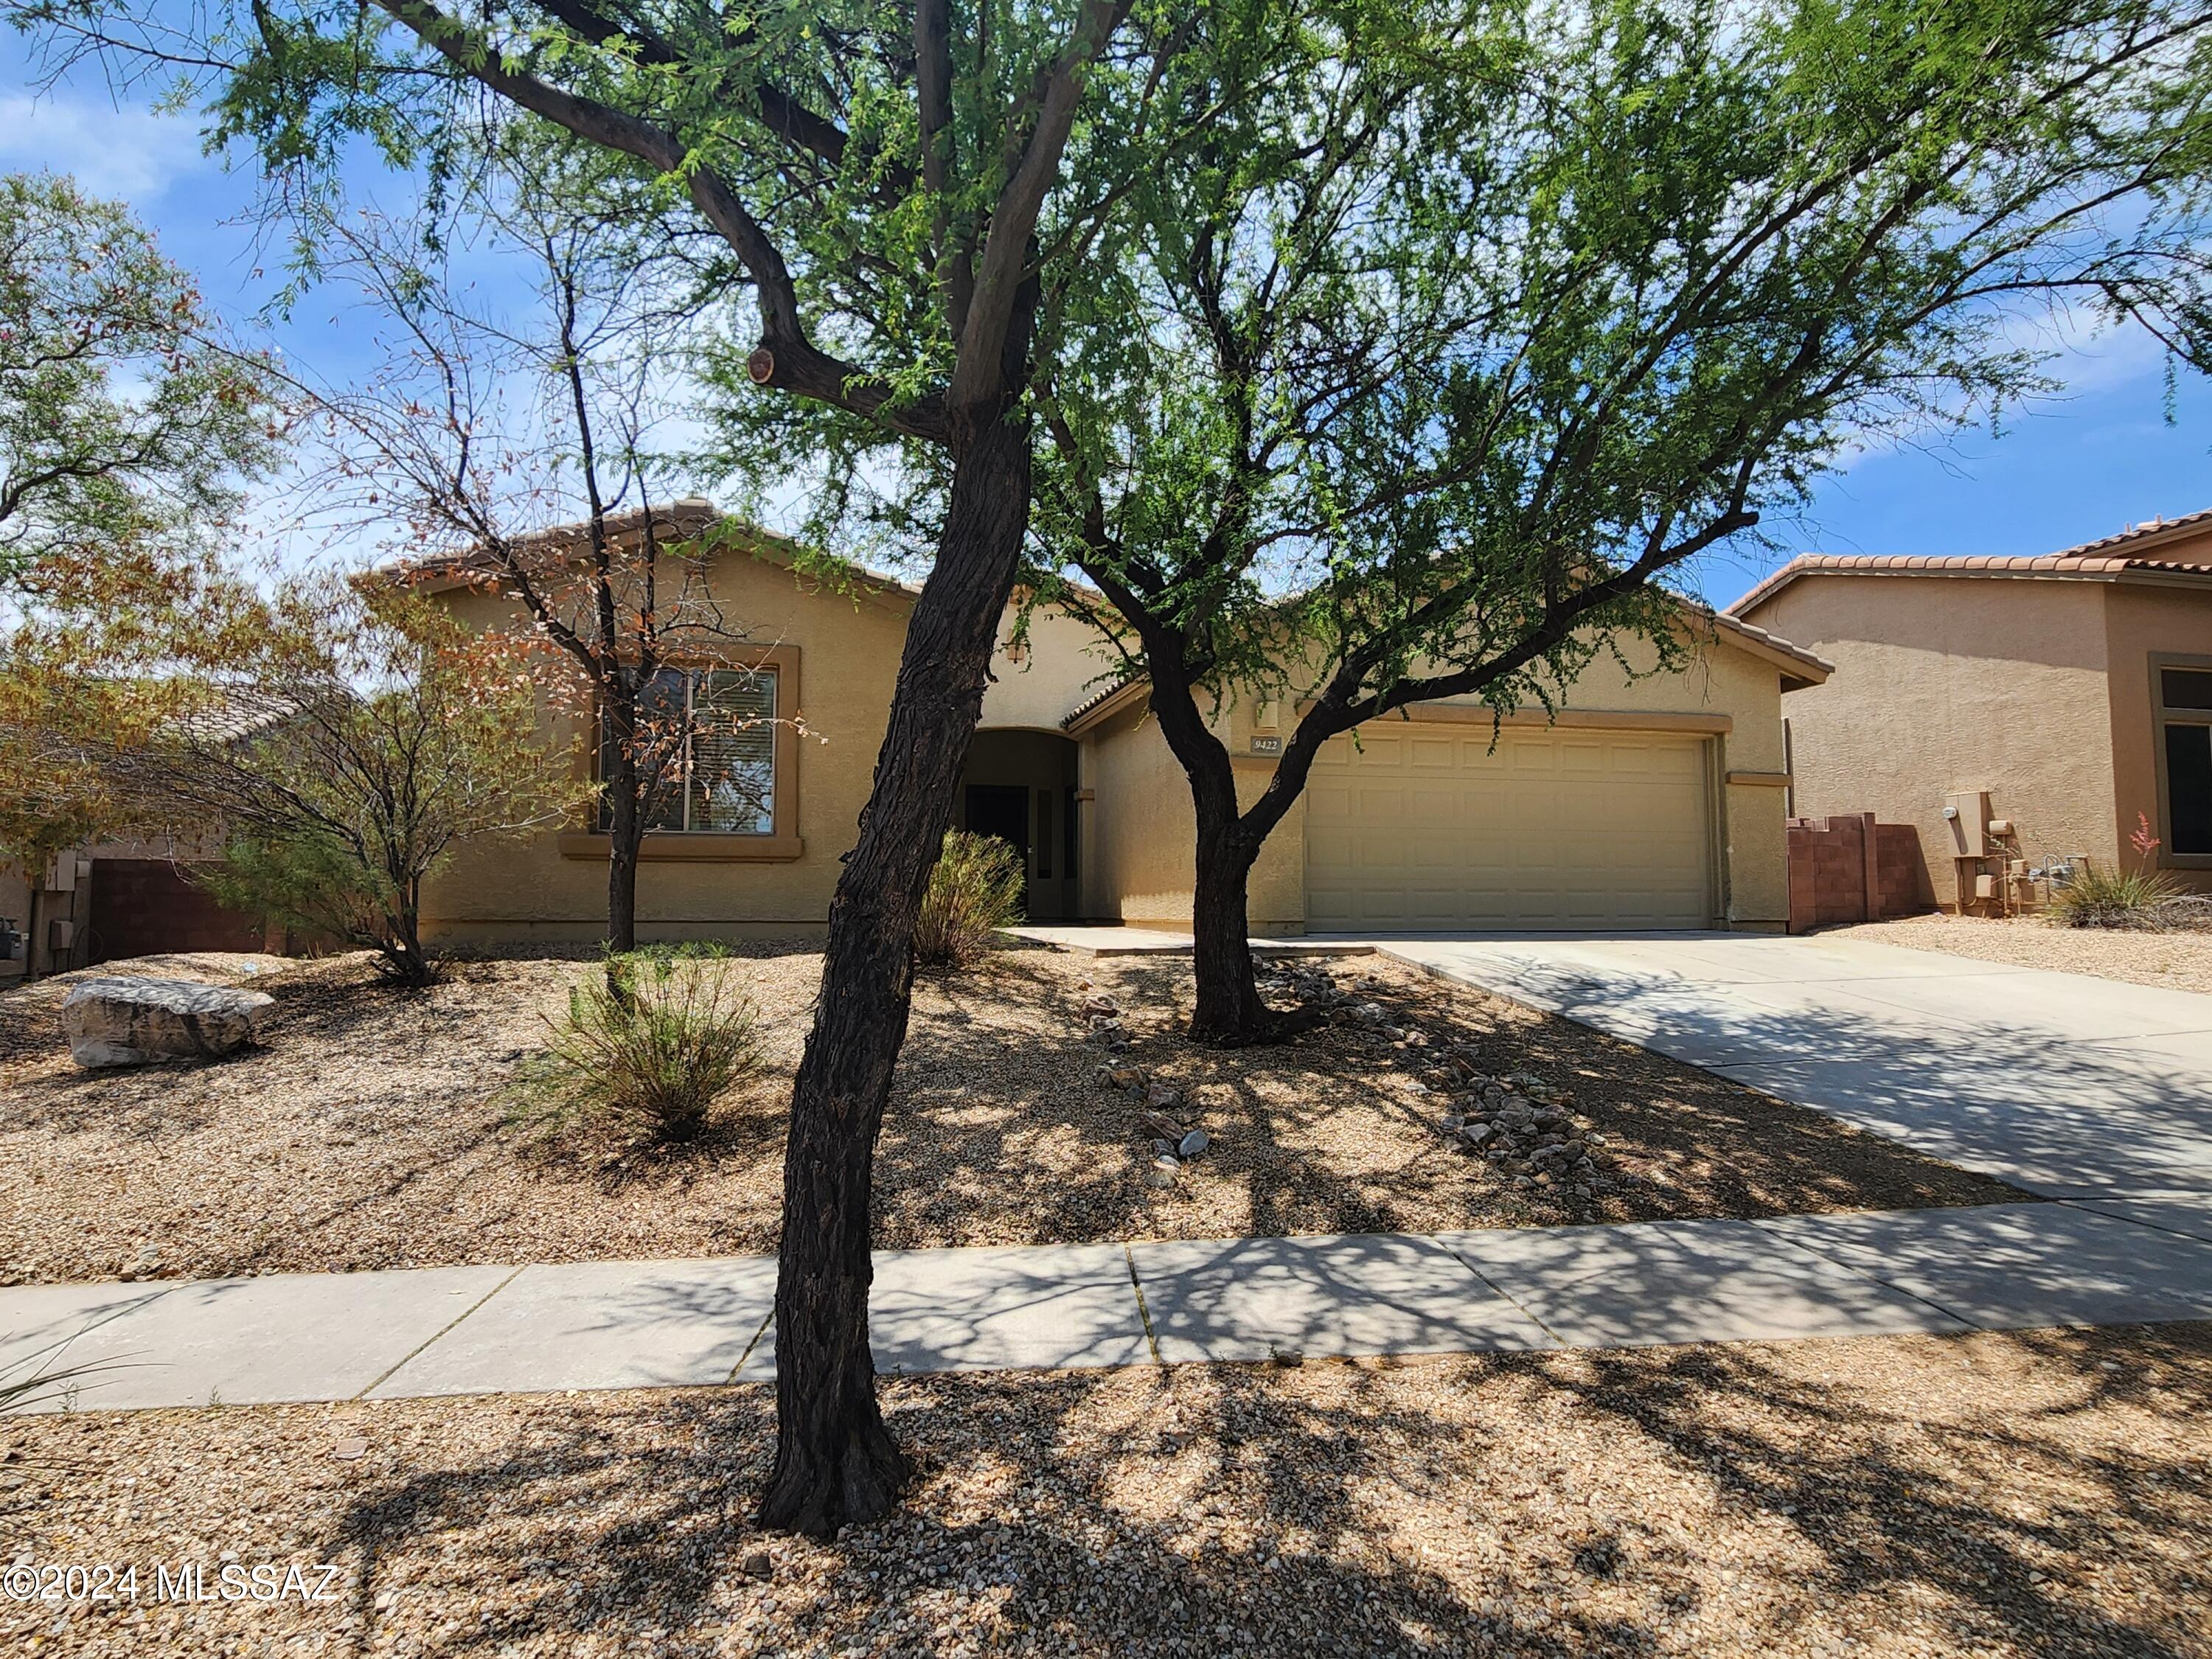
36,1378
2138,899
977,888
655,1039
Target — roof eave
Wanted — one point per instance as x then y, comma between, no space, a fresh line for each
1088,716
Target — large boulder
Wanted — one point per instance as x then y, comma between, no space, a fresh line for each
122,1020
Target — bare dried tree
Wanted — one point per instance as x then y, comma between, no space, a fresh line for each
344,738
518,456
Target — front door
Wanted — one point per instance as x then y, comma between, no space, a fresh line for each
1001,810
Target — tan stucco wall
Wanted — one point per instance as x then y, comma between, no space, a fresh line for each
848,651
1063,664
2144,620
1946,684
1139,864
1136,830
15,907
1139,834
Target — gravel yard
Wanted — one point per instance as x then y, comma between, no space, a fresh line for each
2039,1494
378,1128
2173,962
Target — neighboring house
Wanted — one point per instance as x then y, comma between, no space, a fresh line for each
132,895
1653,802
2074,689
46,925
121,898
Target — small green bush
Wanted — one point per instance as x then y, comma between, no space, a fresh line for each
654,1041
977,888
2116,898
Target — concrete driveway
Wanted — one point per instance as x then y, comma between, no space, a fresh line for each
2065,1086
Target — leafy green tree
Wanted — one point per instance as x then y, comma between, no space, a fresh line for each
913,194
1429,385
89,638
123,414
129,423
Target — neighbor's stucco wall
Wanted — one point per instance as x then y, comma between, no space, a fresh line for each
15,907
849,654
1946,684
2144,620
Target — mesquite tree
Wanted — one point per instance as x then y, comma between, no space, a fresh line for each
513,450
130,422
1428,396
126,416
914,193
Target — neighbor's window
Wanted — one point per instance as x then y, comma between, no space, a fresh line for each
724,778
2185,744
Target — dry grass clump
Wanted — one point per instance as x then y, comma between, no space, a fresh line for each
654,1041
976,890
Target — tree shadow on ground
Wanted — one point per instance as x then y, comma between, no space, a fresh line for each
1000,1129
2008,1519
1790,1498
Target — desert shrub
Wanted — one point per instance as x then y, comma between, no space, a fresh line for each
977,888
654,1041
2119,898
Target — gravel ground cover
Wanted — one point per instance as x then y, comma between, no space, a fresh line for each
2173,962
2000,1496
378,1128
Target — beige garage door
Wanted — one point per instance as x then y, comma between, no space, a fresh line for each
1426,827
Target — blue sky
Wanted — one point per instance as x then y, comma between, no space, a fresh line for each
2084,465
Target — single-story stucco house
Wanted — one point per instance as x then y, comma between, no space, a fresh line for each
2063,696
1652,802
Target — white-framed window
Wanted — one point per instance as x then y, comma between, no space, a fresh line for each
2183,722
722,777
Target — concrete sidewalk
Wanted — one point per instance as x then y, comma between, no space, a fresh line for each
2065,1086
613,1325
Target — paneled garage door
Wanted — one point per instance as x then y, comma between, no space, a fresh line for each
1426,827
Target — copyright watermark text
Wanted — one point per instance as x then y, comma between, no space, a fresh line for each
264,1581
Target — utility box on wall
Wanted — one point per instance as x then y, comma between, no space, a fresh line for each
1967,812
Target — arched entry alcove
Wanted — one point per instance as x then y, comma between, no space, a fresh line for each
1020,786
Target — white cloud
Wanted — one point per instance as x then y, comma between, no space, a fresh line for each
2087,354
127,152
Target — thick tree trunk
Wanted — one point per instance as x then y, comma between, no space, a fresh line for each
1229,1010
410,964
835,1460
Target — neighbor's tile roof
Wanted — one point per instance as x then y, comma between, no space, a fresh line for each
1755,634
2133,548
449,568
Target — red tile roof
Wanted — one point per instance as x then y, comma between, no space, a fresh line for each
2132,550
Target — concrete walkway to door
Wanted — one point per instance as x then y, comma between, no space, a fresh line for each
2063,1084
